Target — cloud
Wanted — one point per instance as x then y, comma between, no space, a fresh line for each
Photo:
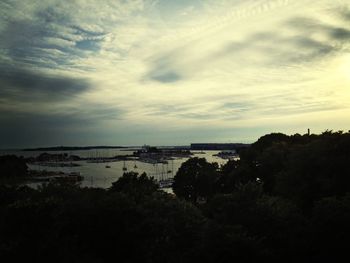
335,32
262,48
24,85
67,32
46,45
28,129
340,33
165,77
74,125
166,66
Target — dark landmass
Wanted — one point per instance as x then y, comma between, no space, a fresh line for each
287,199
193,146
219,146
73,148
54,160
147,154
56,164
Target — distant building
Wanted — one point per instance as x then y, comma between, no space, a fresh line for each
218,146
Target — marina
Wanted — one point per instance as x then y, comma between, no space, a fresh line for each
110,164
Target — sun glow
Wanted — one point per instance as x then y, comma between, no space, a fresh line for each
344,67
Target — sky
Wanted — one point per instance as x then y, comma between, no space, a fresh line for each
166,72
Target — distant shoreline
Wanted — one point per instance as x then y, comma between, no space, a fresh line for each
72,148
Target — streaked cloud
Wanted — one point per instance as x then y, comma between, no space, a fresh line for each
218,70
23,85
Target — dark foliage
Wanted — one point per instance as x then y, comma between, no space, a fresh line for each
68,224
12,166
196,179
302,168
286,200
134,185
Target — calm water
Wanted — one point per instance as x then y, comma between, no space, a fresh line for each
97,175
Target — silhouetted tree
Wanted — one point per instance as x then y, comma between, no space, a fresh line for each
316,170
12,166
285,200
135,185
196,178
235,173
268,140
330,230
276,221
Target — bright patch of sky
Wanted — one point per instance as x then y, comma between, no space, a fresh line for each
166,72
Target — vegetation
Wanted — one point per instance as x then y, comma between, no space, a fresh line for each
12,169
286,200
195,179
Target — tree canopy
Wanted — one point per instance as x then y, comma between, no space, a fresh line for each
286,200
12,166
195,179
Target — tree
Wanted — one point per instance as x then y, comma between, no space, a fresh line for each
196,179
60,224
316,170
274,220
234,173
268,140
135,185
329,237
12,166
270,162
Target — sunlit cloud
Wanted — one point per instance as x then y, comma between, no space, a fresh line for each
172,70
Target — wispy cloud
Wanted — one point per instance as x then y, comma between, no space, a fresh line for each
168,67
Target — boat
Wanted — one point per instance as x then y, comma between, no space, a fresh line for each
107,166
70,177
166,183
124,167
228,155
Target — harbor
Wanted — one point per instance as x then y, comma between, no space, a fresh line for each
100,167
105,169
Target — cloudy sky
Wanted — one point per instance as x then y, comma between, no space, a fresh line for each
166,72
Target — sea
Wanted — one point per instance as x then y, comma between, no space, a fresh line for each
97,175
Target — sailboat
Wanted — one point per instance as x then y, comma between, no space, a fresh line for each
124,167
